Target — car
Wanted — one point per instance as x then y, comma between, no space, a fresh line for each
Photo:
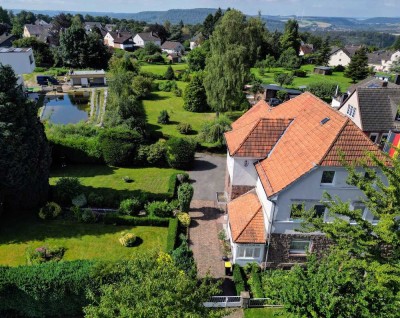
46,80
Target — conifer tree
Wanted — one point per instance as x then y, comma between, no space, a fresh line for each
358,67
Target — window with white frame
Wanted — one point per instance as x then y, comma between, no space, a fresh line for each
328,177
374,137
299,246
249,252
351,110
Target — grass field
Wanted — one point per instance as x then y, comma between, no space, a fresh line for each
263,313
174,105
82,241
336,77
153,180
160,69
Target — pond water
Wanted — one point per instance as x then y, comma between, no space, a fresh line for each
66,108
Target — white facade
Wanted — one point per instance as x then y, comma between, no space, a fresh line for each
21,60
178,49
242,171
350,109
193,45
109,40
140,42
339,58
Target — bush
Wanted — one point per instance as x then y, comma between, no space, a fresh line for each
339,68
163,118
213,131
255,281
44,254
156,153
272,283
183,257
159,208
282,95
83,215
50,211
195,98
185,195
184,219
169,74
66,189
128,239
95,199
184,128
180,152
172,234
182,177
178,92
323,90
119,146
51,289
79,200
167,86
238,278
299,73
130,206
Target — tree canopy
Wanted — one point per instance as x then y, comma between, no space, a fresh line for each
358,67
25,153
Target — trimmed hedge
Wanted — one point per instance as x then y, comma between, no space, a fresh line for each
238,278
255,282
172,234
117,219
46,290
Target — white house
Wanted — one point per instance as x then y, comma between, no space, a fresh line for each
141,39
172,47
381,61
196,41
342,56
280,159
20,59
119,40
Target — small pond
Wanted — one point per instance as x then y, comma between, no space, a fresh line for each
67,108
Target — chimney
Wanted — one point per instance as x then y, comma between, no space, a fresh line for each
384,84
119,34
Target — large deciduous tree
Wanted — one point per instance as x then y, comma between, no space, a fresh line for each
228,66
25,153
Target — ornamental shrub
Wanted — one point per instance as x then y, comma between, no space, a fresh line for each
156,153
238,278
195,98
130,206
50,211
172,234
178,92
160,209
184,218
167,86
185,195
180,152
213,131
66,189
79,200
323,90
88,216
128,239
169,74
163,118
184,128
95,199
44,254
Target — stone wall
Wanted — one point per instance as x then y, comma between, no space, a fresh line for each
279,255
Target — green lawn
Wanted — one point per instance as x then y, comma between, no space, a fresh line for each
152,180
160,69
336,77
82,241
263,313
174,105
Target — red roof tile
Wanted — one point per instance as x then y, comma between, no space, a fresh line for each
246,219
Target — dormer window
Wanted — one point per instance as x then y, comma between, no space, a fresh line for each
351,111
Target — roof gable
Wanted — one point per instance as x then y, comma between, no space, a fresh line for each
246,219
256,112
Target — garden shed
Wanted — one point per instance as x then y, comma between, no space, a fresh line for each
88,78
324,70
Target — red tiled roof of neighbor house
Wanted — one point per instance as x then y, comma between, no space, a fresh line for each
257,138
317,136
246,219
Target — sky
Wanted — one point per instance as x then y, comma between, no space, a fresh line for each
337,8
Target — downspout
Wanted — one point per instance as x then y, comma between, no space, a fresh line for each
269,235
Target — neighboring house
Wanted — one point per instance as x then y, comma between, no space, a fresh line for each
41,22
20,59
110,27
41,32
196,41
119,40
278,160
88,78
7,39
172,47
141,39
342,56
306,49
89,26
374,110
382,60
271,90
174,58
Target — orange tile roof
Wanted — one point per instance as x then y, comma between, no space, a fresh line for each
308,142
246,219
257,138
258,111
